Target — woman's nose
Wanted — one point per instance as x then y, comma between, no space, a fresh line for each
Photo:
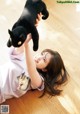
40,58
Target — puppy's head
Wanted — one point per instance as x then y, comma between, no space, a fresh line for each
17,37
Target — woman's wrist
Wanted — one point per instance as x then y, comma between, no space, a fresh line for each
19,50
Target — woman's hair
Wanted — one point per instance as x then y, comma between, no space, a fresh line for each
56,74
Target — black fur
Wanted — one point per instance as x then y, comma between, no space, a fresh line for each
26,24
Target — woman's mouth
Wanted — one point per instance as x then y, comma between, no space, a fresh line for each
36,61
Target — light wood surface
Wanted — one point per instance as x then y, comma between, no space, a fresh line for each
60,32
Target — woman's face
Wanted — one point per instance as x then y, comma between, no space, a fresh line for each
42,60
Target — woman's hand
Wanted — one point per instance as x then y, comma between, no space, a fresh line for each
38,19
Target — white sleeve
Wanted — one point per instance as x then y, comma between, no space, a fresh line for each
15,56
41,87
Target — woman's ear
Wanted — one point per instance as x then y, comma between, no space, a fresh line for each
44,70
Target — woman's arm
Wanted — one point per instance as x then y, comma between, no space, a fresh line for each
36,80
21,48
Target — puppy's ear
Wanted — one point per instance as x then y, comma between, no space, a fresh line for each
9,32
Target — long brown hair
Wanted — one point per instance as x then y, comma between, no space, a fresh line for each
56,74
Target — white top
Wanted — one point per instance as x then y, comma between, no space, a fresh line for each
14,78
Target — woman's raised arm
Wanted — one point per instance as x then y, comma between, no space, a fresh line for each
36,80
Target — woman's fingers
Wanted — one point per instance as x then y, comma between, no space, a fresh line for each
38,19
39,16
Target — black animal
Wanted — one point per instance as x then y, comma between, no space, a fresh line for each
26,24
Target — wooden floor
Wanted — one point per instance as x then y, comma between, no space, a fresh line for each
60,32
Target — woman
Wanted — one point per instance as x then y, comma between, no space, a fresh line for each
47,68
46,72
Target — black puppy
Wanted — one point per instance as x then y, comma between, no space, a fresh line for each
26,24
